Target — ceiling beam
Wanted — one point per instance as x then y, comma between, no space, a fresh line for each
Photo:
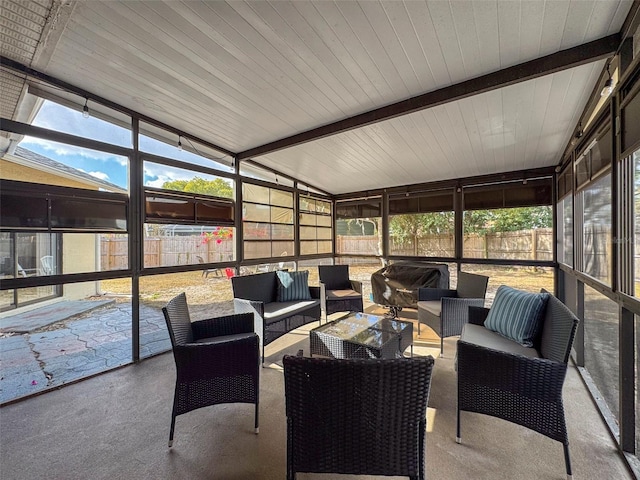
556,62
15,66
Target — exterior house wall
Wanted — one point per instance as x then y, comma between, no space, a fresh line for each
21,173
78,249
79,256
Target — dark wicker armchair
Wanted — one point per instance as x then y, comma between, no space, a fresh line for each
359,416
446,311
217,360
337,292
524,388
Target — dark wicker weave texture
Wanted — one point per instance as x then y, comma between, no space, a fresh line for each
252,292
390,343
363,417
526,391
470,292
336,277
217,360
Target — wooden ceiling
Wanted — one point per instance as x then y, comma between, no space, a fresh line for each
344,96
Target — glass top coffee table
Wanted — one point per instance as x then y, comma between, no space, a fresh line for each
361,335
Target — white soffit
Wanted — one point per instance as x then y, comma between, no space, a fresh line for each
519,127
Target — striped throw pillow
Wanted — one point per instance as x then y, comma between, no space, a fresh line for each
293,286
516,314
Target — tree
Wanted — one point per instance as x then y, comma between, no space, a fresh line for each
407,226
507,219
217,188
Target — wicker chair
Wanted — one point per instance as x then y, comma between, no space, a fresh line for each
337,292
217,360
525,389
361,416
445,310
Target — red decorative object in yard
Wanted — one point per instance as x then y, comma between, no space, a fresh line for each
218,234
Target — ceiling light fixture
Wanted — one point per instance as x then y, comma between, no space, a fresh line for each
179,143
577,135
608,85
85,109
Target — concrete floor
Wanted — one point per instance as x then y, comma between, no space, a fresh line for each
116,426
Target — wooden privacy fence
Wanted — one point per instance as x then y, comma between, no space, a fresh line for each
536,244
165,251
522,245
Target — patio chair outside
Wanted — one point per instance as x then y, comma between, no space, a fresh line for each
445,310
217,360
362,416
47,265
207,271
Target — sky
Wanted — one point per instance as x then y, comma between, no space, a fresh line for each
105,166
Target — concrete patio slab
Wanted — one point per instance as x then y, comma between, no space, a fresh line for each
21,373
40,317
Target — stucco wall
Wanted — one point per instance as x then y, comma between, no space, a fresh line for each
79,256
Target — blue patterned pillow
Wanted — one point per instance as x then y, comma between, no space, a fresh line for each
516,315
293,286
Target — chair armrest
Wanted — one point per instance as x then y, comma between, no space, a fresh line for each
477,315
426,294
454,313
356,286
241,305
196,361
225,325
535,378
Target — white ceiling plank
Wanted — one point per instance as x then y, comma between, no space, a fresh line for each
282,87
373,44
448,40
381,22
509,32
553,26
531,19
368,75
466,30
405,31
543,89
575,32
241,74
426,35
308,56
470,126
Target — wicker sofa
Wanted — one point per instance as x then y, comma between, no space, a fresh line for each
523,385
258,294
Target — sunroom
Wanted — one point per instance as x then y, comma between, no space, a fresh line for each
155,147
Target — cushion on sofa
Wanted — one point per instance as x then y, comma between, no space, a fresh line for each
517,315
277,311
293,286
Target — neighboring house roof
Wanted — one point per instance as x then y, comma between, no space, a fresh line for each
34,160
